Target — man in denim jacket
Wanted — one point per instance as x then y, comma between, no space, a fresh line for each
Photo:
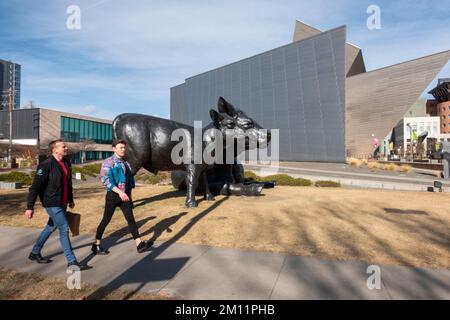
117,177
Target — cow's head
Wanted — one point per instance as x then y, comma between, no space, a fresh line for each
234,123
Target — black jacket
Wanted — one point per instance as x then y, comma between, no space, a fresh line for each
48,184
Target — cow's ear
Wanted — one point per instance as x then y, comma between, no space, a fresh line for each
222,104
215,116
224,107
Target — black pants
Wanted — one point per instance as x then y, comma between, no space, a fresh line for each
112,201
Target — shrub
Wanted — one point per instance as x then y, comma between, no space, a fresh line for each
327,184
280,179
149,178
17,177
250,175
390,167
354,162
373,165
92,169
286,180
405,168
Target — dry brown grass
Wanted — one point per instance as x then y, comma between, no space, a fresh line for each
390,167
373,165
31,286
354,162
405,168
390,227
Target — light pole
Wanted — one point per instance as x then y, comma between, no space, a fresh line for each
411,139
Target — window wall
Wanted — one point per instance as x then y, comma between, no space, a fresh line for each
77,130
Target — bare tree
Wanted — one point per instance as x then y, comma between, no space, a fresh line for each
84,146
30,105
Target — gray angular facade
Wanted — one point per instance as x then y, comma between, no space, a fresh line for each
298,88
316,91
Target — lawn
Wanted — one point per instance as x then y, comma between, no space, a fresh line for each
374,226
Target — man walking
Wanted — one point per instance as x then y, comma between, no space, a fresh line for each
53,184
117,177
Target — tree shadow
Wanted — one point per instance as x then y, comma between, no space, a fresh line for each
111,240
163,225
159,197
421,283
149,269
13,203
400,211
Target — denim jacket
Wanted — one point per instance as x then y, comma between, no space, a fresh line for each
113,174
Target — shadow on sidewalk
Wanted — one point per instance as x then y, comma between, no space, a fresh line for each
149,269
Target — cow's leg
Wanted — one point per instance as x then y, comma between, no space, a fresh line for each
192,177
208,194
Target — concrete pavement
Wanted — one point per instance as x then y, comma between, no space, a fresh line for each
201,272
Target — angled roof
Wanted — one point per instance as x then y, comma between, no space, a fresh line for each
377,99
442,91
354,63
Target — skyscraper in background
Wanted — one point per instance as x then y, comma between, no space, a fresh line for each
9,81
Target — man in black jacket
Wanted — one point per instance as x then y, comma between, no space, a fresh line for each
53,185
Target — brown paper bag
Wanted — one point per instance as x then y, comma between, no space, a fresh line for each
74,222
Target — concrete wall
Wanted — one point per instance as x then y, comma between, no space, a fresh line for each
50,128
25,124
376,100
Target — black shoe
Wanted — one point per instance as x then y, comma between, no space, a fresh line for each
76,264
98,249
144,246
38,258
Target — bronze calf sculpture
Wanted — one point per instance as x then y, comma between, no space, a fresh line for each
149,143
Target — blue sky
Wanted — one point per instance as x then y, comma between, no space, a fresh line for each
128,54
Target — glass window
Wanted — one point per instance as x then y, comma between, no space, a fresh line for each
77,126
66,124
99,132
71,125
91,130
82,130
110,133
103,138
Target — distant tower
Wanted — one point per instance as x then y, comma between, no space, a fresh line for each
9,80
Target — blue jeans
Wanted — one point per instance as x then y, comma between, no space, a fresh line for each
57,219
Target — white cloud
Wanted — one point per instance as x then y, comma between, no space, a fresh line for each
137,50
89,109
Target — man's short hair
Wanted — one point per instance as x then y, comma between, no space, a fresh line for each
53,143
119,141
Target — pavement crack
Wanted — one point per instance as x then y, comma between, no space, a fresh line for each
278,276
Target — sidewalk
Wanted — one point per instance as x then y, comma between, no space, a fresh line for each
201,272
